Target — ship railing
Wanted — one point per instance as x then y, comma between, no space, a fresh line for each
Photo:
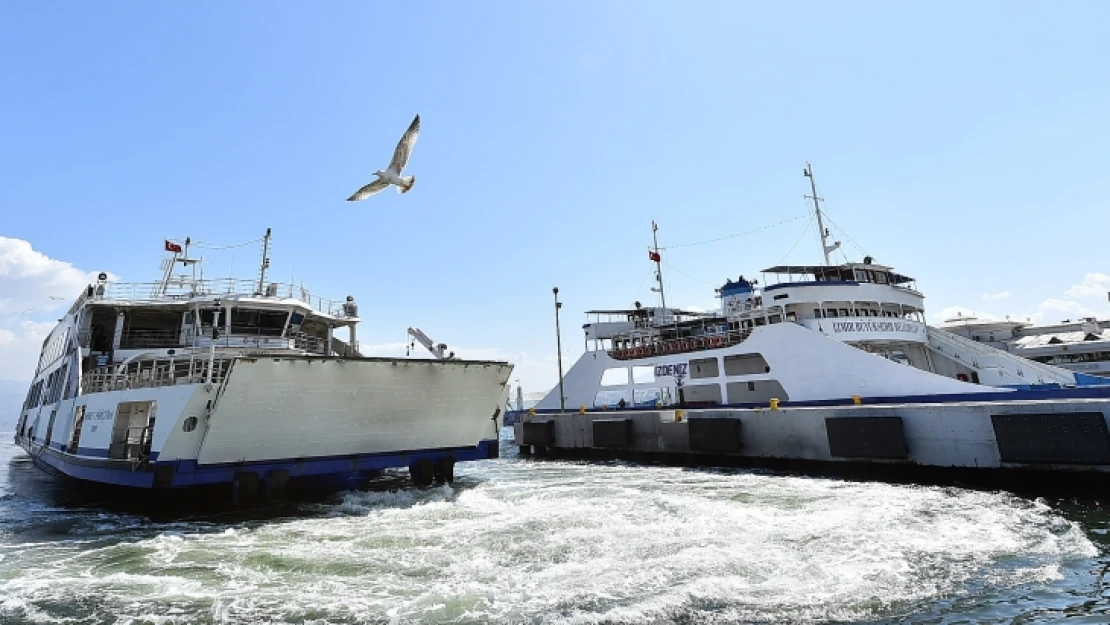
682,345
184,290
149,339
153,373
240,337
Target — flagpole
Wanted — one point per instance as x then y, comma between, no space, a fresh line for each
658,263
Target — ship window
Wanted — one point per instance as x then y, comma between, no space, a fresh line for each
782,296
617,376
704,368
746,364
775,319
643,375
830,312
189,425
612,398
257,322
880,277
647,397
844,312
701,393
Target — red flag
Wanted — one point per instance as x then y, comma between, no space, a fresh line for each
654,256
172,247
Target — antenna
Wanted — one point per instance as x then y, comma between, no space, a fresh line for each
825,247
265,262
658,263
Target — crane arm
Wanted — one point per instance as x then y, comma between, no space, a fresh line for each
439,351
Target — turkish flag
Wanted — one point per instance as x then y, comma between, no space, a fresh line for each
172,247
654,256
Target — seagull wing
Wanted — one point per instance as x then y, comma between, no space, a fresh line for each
404,147
368,190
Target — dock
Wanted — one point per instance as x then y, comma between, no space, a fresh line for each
1048,446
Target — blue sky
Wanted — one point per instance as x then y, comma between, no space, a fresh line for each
963,143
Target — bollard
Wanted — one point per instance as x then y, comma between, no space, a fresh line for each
856,400
531,412
581,410
774,403
678,414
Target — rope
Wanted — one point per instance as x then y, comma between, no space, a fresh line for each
673,268
802,236
848,236
209,246
732,236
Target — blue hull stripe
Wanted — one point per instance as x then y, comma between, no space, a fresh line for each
1027,394
189,473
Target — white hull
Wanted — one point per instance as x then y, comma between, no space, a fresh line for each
807,365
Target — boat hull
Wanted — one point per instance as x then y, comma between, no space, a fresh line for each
296,419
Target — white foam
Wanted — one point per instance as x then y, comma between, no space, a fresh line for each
571,543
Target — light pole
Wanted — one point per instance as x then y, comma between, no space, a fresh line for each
559,347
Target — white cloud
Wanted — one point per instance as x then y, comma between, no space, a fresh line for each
34,288
1093,285
30,281
1056,310
996,296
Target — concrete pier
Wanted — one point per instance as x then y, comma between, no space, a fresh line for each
1030,443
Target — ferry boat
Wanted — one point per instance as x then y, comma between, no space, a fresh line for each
852,331
188,382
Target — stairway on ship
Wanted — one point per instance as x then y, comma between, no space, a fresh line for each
994,367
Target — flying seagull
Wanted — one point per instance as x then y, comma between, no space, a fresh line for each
392,174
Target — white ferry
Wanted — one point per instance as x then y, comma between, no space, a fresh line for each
188,382
816,334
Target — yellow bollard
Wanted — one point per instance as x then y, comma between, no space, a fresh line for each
774,403
678,414
531,411
856,400
604,408
581,410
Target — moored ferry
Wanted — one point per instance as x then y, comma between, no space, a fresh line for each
188,382
809,334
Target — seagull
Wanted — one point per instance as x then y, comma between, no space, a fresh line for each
392,174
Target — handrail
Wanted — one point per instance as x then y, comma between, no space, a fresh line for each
990,358
183,290
665,347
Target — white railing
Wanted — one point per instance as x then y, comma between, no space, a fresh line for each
178,290
152,373
977,356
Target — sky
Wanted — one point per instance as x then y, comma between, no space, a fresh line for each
965,144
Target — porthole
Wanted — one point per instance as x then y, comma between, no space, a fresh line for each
189,425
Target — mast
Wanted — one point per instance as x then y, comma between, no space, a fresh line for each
265,262
826,249
658,263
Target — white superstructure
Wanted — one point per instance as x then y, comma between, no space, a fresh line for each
188,381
